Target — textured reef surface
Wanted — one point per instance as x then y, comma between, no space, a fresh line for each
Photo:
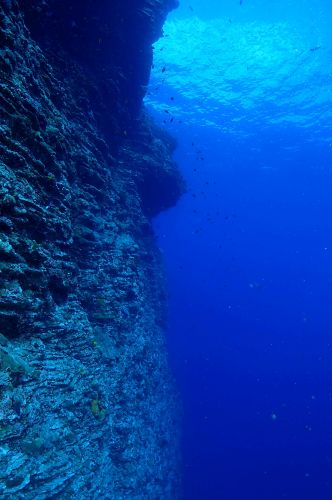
87,405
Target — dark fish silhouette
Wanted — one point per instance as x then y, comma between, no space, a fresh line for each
313,49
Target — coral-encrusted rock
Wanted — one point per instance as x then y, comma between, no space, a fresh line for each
158,181
87,407
111,38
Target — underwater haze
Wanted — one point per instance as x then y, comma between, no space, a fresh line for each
245,87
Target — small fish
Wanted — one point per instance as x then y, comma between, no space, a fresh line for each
313,49
190,7
163,70
241,2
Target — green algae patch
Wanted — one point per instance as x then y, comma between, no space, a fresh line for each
14,364
96,409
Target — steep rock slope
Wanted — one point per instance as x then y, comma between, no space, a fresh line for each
87,407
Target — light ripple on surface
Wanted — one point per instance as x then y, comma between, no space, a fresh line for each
227,75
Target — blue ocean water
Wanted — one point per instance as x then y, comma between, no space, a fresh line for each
245,87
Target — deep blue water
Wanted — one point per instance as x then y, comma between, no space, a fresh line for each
246,89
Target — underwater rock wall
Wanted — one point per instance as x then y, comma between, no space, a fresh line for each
87,405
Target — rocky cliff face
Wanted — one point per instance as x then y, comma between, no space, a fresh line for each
87,407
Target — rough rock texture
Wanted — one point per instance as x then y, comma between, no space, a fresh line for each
87,407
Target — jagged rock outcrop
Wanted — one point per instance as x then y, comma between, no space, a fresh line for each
87,406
